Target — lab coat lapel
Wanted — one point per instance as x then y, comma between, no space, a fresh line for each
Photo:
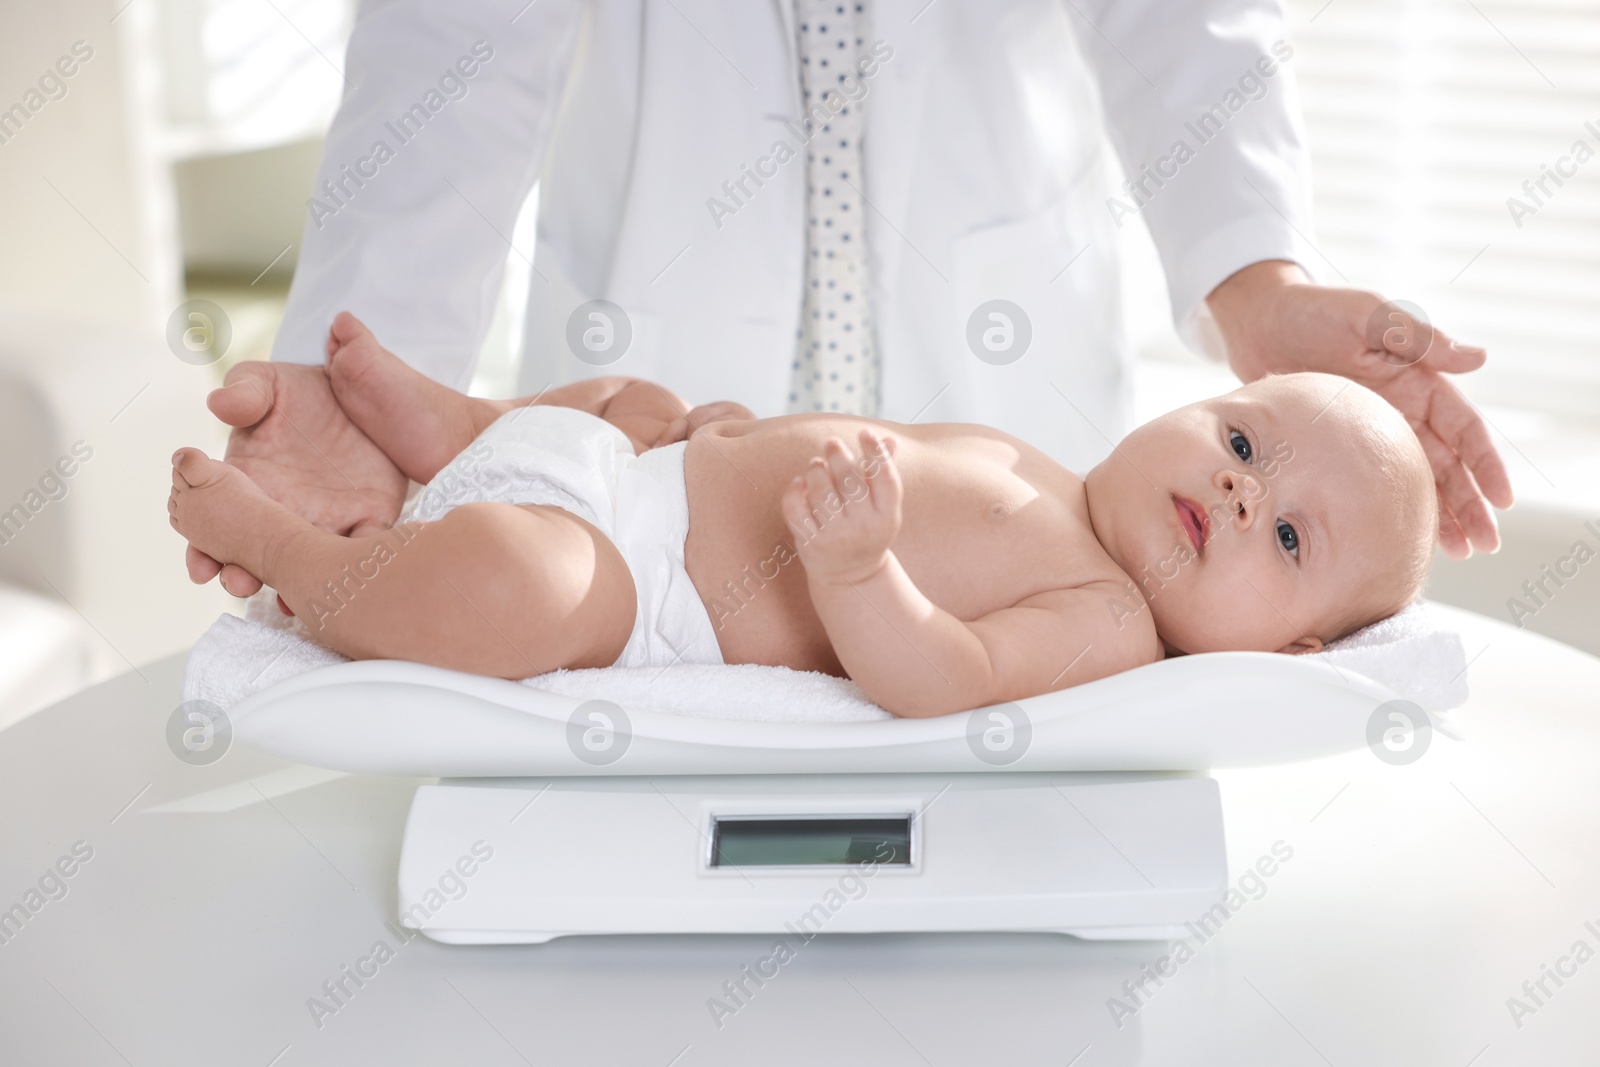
713,294
785,10
895,119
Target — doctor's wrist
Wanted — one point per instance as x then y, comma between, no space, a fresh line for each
1242,307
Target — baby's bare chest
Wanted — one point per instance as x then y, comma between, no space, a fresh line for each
983,525
978,539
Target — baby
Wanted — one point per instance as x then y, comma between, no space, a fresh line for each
942,567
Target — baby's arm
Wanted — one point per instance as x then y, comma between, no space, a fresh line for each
909,655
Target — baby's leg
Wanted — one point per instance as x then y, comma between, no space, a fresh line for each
490,588
422,425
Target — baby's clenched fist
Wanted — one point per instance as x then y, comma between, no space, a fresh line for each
844,511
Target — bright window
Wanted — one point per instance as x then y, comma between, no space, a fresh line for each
1425,120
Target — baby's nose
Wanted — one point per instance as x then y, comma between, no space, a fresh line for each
1243,493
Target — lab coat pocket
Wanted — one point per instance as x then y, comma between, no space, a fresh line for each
1038,310
1042,266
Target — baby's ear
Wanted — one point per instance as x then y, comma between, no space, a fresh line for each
1301,645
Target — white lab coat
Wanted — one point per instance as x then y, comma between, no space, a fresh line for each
982,172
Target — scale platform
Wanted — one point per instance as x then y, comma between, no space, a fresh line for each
1127,855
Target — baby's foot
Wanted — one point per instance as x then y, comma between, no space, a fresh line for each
420,424
221,512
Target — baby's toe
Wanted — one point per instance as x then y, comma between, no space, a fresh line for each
347,328
349,332
352,351
192,467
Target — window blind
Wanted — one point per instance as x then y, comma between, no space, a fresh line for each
1456,163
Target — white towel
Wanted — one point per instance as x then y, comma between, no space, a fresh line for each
1411,654
235,657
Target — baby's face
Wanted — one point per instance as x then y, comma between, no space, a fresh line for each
1261,519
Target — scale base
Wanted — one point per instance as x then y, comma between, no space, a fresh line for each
1099,856
539,937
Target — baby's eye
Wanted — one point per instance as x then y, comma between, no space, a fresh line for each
1288,539
1240,445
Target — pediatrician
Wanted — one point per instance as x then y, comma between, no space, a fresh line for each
888,207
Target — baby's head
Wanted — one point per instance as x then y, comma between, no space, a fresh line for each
1278,517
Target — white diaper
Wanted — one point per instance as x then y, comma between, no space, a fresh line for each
582,464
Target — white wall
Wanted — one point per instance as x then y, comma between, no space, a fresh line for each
89,273
88,205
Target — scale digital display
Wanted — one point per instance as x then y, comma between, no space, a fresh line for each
810,842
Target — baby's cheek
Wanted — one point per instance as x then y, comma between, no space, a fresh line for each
1206,608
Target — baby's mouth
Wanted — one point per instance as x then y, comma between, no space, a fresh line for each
1195,522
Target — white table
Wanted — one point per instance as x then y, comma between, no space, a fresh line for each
219,899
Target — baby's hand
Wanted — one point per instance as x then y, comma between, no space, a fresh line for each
844,510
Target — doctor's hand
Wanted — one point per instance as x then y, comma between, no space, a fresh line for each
294,440
1275,320
686,426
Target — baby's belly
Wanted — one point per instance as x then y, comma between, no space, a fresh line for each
742,561
976,537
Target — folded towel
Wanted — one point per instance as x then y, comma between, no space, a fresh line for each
236,657
1410,653
1407,652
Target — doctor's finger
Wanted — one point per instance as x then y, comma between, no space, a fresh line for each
1458,425
368,527
1452,538
1459,495
238,581
201,567
1447,354
246,394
